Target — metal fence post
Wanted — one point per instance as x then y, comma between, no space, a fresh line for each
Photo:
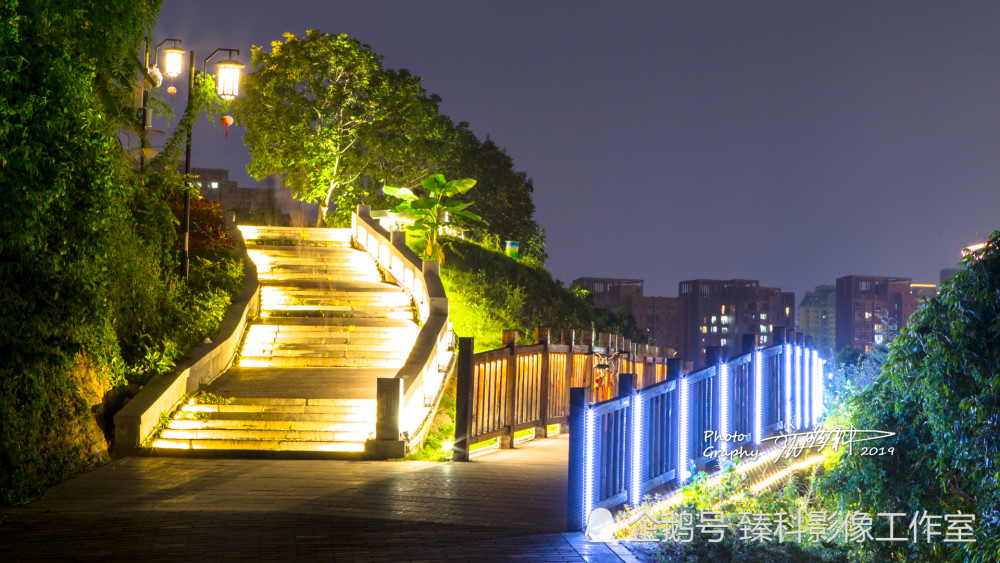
577,500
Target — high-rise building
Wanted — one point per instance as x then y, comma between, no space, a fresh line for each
706,313
720,312
818,317
865,307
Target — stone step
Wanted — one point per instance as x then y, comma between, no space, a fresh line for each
271,445
334,323
338,313
350,349
285,361
292,419
327,402
285,276
346,413
251,232
229,434
231,422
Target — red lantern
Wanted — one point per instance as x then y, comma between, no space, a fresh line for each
171,90
227,120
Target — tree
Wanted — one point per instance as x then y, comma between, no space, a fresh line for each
323,111
504,195
939,391
67,72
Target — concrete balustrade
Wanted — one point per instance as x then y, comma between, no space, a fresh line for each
408,400
137,420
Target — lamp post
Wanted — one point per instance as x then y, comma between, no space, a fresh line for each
172,68
228,88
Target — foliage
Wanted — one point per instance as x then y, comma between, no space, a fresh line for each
940,393
489,292
504,195
89,298
207,227
436,210
321,109
730,495
442,431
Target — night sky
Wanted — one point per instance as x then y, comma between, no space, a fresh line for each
790,142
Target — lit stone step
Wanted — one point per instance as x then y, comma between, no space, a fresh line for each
247,418
327,402
321,362
346,313
285,346
364,426
251,232
371,277
263,434
330,339
332,323
342,411
275,445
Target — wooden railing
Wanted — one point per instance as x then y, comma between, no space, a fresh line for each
519,387
623,448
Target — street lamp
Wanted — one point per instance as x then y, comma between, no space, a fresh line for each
228,88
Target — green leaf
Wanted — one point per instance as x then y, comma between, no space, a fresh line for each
402,193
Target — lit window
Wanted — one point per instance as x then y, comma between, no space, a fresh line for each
725,320
715,329
724,341
788,311
763,340
725,330
879,338
715,319
215,185
704,329
763,328
763,316
868,315
723,309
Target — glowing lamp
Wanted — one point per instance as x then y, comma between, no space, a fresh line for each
229,78
173,58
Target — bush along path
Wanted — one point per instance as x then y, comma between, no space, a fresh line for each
329,327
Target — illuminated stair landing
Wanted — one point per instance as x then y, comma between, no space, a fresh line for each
306,378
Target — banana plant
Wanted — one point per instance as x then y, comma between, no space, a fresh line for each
436,210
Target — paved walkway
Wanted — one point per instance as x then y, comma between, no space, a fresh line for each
330,510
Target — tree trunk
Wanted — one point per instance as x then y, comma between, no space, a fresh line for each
321,220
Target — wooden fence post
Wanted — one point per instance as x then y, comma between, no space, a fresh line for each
568,337
464,400
576,502
510,389
542,336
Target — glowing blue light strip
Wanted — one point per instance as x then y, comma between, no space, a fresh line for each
797,381
723,371
817,388
758,385
806,387
683,445
588,479
636,449
787,360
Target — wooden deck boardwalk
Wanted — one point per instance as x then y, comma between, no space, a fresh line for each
506,505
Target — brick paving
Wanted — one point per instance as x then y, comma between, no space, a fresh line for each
505,506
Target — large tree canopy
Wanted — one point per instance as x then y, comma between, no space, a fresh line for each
323,111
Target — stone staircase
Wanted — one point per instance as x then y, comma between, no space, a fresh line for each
305,382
